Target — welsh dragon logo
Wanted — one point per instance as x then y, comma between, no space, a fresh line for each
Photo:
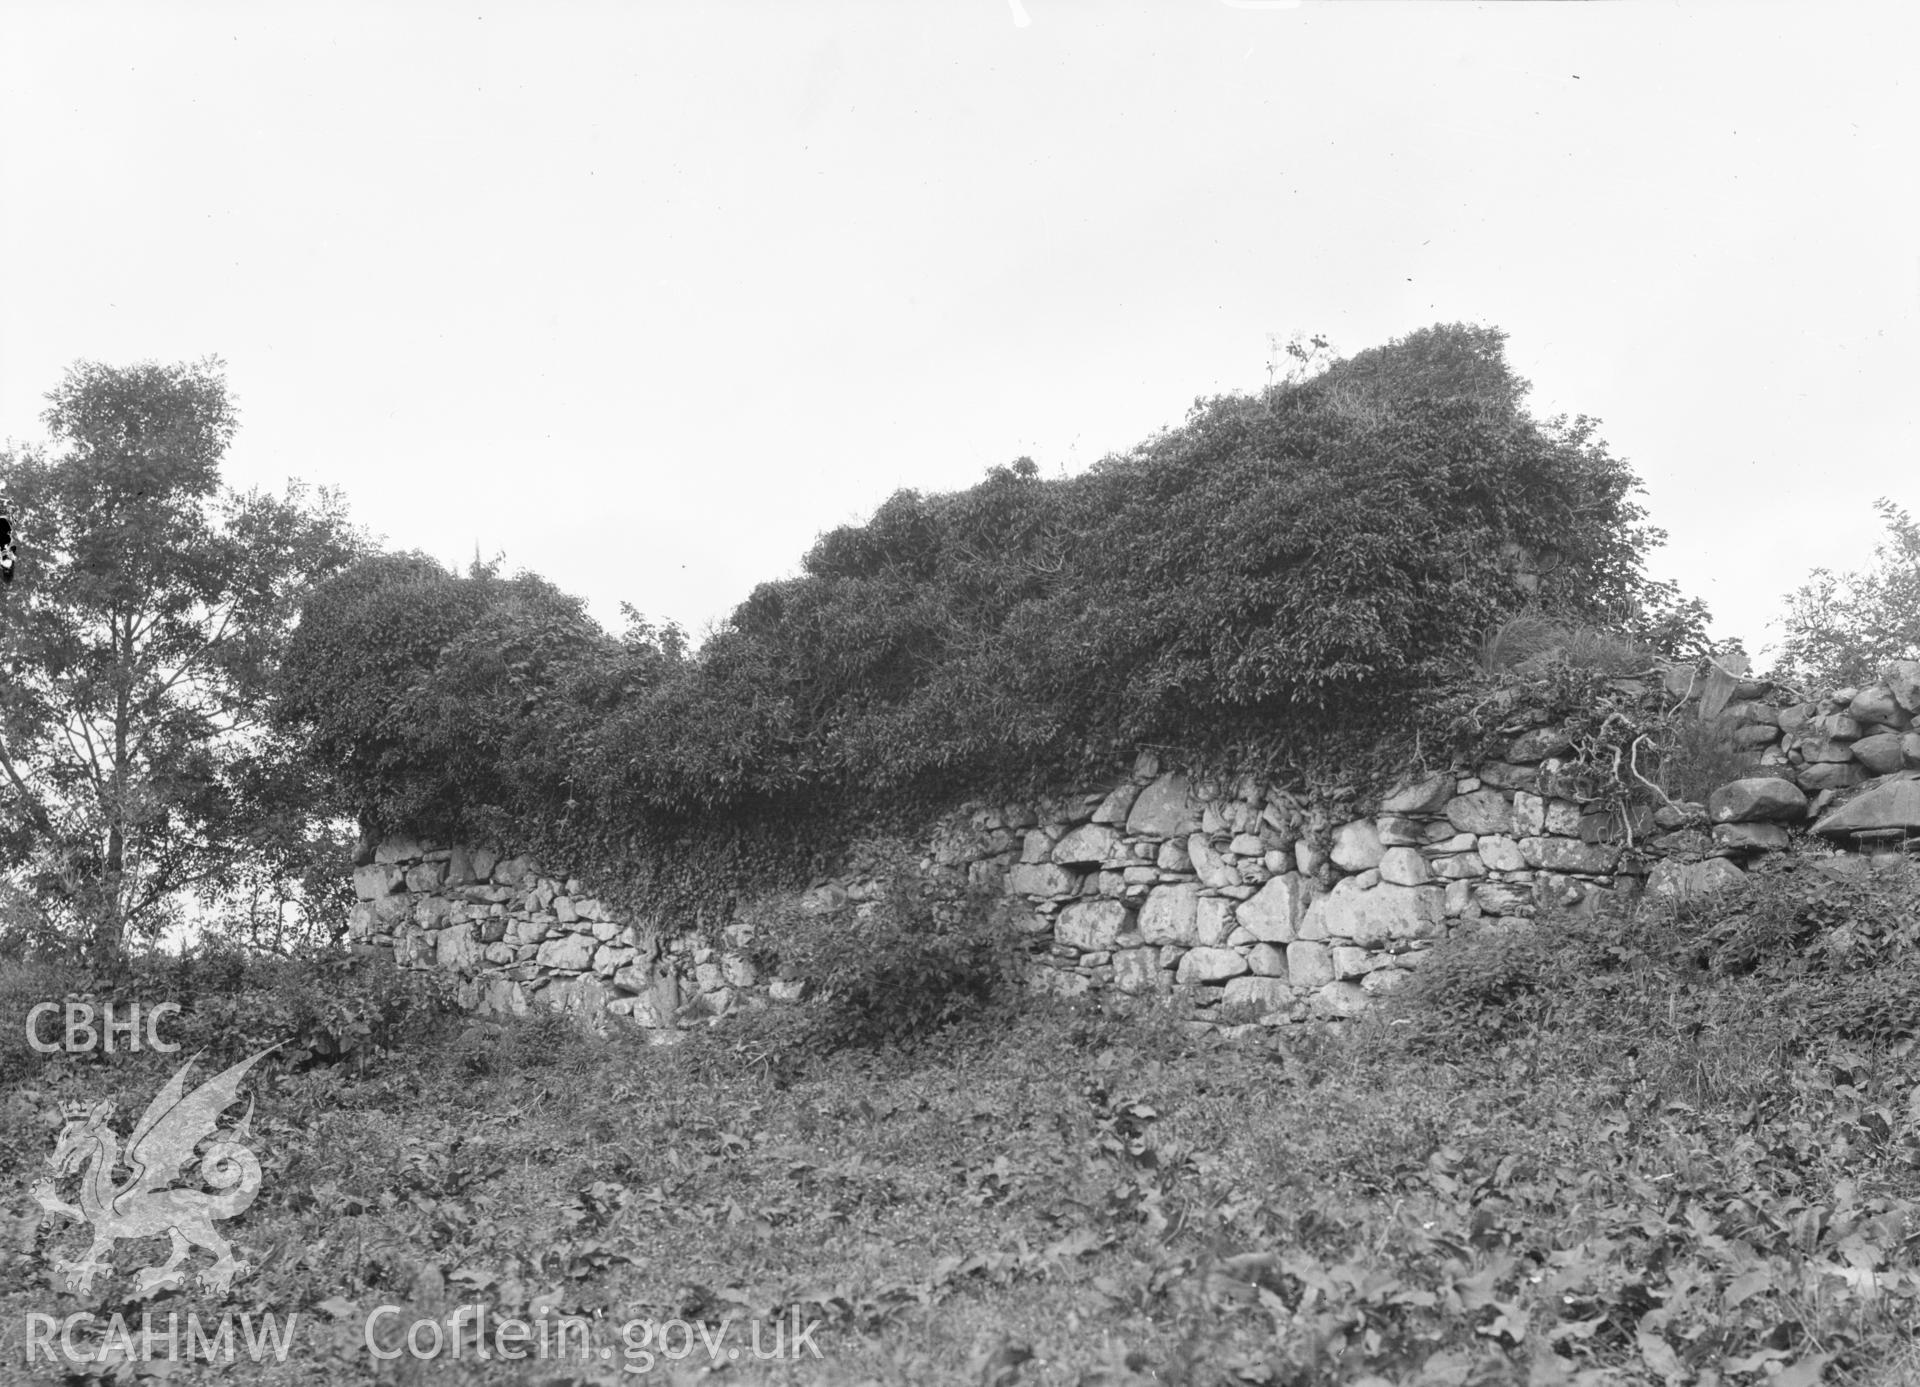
144,1205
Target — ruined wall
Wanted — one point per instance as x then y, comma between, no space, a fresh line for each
1241,902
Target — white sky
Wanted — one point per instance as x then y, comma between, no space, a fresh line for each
648,295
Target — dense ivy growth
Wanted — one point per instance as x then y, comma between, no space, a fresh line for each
1279,572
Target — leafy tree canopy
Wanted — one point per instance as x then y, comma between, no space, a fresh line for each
141,643
1842,627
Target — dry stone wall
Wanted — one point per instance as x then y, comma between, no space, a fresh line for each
1244,903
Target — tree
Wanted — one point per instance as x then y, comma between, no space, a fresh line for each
1841,627
141,641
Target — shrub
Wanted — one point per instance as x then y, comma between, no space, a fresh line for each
894,969
1698,756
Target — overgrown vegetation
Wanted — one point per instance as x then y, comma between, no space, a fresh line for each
1279,580
1664,1148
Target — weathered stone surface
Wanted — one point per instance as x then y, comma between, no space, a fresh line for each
460,870
1309,964
1902,678
1373,917
1339,999
1683,879
428,876
1565,820
1042,879
1213,919
1798,718
1501,853
1207,864
1267,960
1750,712
1883,753
1538,745
1463,866
1267,993
1090,925
1529,813
376,880
566,951
1404,867
1755,734
1169,915
455,947
1275,911
1569,855
1357,846
1757,800
1427,795
1831,775
1830,750
511,871
1876,705
1483,811
1751,837
1165,809
1210,965
1350,961
1136,970
1503,776
1890,804
1172,857
397,850
1383,980
1838,727
1501,898
1115,807
1090,845
1397,830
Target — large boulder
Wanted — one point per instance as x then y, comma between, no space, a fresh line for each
1170,914
1373,917
1875,705
1309,964
1404,867
1423,796
1091,925
1760,799
1274,913
1902,679
1893,803
1483,811
1683,879
1265,993
1569,855
1165,809
1090,845
1831,775
1206,964
1751,837
1357,846
1882,754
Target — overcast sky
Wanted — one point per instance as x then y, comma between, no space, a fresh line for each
648,295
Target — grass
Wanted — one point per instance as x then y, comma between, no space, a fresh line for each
1674,1149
